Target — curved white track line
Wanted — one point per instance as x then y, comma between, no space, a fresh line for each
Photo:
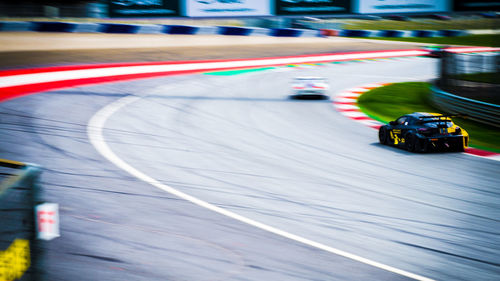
95,134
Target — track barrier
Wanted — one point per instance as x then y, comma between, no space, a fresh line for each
24,220
181,29
49,26
483,112
118,28
285,32
234,30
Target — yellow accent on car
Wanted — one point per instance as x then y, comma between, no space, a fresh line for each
11,163
15,260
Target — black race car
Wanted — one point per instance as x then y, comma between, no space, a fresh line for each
421,132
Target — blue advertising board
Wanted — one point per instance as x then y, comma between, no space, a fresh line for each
143,8
312,7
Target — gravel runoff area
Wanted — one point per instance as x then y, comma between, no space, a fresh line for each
35,49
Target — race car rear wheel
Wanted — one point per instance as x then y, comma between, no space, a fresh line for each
412,144
383,135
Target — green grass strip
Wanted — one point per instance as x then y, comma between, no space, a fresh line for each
421,24
237,71
486,40
389,102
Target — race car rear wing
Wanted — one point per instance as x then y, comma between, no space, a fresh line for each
440,118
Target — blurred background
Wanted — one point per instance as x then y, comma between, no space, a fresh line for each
301,13
417,23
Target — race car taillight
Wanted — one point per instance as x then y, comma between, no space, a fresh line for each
424,131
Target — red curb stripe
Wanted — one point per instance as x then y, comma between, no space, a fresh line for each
479,152
127,64
349,110
18,91
92,66
360,118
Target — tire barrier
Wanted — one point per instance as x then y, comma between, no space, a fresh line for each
391,33
53,26
285,32
234,30
401,33
87,28
118,28
154,29
150,29
180,29
483,112
356,33
220,30
15,26
20,250
451,33
425,33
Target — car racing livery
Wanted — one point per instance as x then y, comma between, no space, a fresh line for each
422,132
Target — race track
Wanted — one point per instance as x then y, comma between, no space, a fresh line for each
239,143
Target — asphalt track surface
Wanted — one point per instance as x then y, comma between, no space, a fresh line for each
239,143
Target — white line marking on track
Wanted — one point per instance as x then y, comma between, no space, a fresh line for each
95,134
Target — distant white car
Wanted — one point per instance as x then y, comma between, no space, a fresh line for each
310,88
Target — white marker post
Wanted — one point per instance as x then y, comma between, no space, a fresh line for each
47,221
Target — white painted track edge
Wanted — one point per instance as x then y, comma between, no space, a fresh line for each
95,134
